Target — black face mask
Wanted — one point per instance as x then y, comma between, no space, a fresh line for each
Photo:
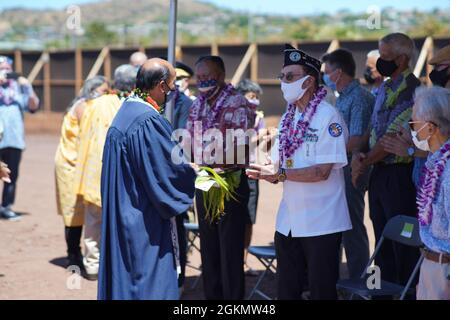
385,67
439,78
368,76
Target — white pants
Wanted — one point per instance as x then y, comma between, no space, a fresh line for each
92,234
433,281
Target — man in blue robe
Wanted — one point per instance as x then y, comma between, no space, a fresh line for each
142,190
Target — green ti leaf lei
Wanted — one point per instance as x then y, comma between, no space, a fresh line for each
214,199
392,96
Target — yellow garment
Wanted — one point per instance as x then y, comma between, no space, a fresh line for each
68,205
96,120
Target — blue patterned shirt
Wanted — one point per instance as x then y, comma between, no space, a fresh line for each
355,104
387,119
13,102
436,236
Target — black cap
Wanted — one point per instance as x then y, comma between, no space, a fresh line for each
184,67
180,65
295,56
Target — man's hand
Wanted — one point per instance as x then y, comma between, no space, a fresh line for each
358,166
262,172
399,143
23,81
395,145
195,167
4,173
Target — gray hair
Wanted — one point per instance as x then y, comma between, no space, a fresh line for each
373,53
433,104
400,43
87,92
247,85
125,77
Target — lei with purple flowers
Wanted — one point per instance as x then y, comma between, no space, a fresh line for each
430,183
291,138
197,109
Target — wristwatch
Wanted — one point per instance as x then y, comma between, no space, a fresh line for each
411,150
282,175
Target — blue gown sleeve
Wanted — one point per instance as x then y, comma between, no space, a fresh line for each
169,187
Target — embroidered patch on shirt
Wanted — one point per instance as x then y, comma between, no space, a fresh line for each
335,129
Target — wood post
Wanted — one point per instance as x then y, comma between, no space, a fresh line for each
254,72
18,66
427,45
47,86
214,49
43,59
244,64
103,58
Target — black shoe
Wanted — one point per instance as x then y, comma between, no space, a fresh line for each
10,215
75,259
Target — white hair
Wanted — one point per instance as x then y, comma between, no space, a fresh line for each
433,104
373,54
125,77
400,44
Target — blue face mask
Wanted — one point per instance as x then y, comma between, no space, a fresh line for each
205,86
328,82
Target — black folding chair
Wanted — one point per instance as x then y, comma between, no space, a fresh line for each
266,255
192,228
401,229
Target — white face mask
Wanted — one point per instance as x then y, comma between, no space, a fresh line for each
293,91
256,102
420,144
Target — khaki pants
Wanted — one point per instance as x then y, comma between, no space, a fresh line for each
433,282
92,234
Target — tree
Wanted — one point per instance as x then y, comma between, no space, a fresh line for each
98,35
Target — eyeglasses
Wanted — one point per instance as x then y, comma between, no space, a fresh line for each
170,89
411,124
288,76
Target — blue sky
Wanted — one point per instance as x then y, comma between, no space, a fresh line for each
297,7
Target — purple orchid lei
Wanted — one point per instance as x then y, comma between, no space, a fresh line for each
291,138
429,185
196,112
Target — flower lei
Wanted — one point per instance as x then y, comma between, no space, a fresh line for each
291,138
196,111
139,94
146,97
429,185
120,94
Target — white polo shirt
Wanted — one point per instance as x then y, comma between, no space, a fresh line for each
310,209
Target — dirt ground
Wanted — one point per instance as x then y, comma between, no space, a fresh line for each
32,251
